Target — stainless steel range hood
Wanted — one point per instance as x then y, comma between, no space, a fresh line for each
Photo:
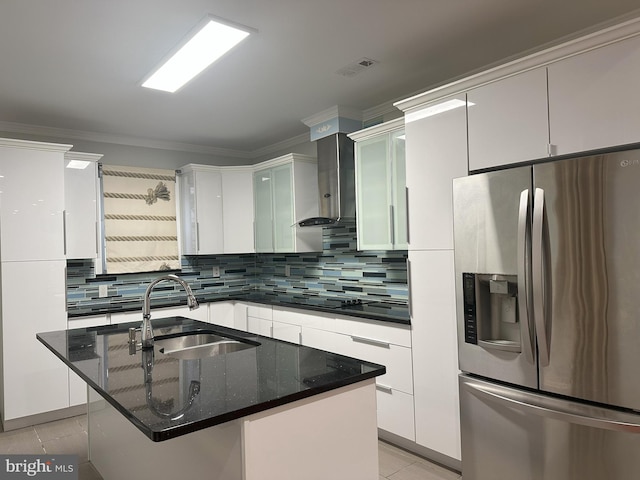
336,181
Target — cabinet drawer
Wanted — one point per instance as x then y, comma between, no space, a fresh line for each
395,412
259,311
259,326
319,320
375,330
396,359
286,332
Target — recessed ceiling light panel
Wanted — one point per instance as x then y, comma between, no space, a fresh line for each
211,39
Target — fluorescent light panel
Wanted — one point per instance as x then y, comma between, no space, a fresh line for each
78,164
208,44
436,109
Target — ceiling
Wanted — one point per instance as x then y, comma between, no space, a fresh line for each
77,65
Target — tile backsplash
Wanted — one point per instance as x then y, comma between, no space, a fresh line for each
338,271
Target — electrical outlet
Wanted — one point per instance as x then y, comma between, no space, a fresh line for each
287,270
103,291
216,272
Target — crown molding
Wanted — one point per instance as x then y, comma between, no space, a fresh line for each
40,130
91,157
331,113
31,145
386,127
525,62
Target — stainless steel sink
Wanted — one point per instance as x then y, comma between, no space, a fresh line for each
195,345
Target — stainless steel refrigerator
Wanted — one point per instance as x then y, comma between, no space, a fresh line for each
548,304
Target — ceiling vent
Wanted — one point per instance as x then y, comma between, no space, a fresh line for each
357,67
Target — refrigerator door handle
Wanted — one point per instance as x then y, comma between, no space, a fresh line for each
524,279
541,280
553,408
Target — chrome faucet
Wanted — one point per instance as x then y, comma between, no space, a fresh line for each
147,331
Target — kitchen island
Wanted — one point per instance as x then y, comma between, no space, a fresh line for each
267,409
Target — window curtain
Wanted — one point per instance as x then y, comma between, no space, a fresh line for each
139,219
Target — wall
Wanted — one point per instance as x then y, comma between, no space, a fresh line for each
338,271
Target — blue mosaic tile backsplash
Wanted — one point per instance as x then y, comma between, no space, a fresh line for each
338,271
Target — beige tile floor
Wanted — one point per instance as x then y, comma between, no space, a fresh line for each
69,437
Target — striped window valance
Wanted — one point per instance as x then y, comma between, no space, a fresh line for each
139,219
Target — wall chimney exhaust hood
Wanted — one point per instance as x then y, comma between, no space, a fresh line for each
336,181
336,164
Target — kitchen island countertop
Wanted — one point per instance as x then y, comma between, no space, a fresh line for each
166,397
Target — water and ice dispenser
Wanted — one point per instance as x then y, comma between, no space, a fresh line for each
491,311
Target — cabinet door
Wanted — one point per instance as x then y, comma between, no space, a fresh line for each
188,220
287,332
237,211
222,313
209,237
33,301
262,185
81,211
32,204
283,221
373,184
593,98
508,120
435,362
436,149
399,190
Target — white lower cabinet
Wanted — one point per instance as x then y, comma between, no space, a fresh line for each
376,342
33,301
259,319
201,313
287,332
221,313
77,386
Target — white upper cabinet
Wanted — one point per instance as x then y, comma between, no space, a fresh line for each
380,187
31,200
436,153
81,204
201,225
508,120
593,98
237,209
285,192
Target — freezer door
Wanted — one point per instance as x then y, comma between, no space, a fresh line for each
492,249
511,434
586,252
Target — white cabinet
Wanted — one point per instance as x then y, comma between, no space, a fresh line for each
381,187
508,120
259,319
593,98
377,342
221,313
81,204
201,313
436,152
433,321
33,301
200,210
31,200
285,192
77,386
237,209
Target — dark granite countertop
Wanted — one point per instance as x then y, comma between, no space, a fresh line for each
381,310
173,397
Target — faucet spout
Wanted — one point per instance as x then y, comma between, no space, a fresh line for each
147,330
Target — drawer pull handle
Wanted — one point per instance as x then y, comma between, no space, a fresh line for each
384,388
371,341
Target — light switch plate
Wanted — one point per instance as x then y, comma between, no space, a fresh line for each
103,291
216,272
287,270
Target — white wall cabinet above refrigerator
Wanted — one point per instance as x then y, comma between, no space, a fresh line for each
508,120
381,200
593,98
81,186
285,192
201,231
32,200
